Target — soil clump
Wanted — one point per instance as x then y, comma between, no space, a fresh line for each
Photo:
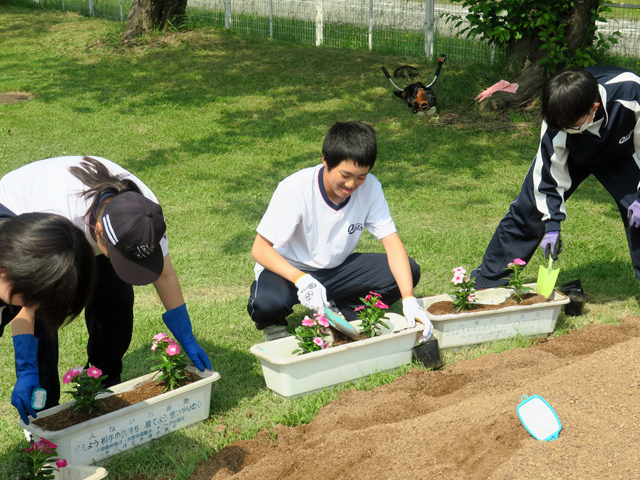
460,423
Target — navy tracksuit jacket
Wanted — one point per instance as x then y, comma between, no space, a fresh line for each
609,150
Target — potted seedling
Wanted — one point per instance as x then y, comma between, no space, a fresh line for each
307,362
469,317
133,413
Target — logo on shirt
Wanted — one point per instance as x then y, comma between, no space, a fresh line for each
354,227
625,138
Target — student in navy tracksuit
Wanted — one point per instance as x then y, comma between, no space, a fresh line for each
591,126
48,266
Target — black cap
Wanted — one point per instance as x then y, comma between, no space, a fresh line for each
134,226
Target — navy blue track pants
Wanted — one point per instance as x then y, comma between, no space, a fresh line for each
521,230
272,297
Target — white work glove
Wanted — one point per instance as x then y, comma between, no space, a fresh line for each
412,312
311,293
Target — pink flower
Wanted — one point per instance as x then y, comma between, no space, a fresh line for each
159,336
459,270
173,350
511,265
457,278
325,346
519,261
375,294
94,372
318,341
307,322
379,304
66,378
471,298
75,371
357,309
323,321
61,463
367,298
154,346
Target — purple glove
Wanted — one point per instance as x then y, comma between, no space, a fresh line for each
634,214
552,244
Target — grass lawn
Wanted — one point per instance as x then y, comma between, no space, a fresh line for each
211,121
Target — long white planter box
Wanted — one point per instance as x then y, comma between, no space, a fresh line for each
294,375
118,431
472,328
79,472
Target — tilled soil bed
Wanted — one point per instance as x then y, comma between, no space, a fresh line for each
461,422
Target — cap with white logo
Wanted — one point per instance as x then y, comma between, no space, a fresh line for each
134,226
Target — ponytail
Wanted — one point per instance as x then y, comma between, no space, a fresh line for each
98,180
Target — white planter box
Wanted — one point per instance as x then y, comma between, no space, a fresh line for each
472,328
294,375
118,431
79,472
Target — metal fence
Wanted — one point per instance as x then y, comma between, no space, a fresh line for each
402,27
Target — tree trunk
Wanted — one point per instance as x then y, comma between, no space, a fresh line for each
148,15
527,52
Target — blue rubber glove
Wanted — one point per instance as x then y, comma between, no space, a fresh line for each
634,214
551,244
26,353
177,320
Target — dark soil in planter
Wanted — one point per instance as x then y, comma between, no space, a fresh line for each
461,423
446,307
68,418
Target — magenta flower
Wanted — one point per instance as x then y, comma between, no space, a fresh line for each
323,321
519,261
367,298
381,305
61,463
318,341
375,294
66,378
357,309
94,372
325,345
307,322
75,371
173,350
160,336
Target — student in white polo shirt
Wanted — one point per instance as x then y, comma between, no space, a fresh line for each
46,265
125,226
306,239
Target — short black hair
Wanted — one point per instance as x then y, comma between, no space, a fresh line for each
355,141
49,262
567,97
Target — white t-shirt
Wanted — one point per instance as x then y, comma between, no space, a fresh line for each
48,186
311,232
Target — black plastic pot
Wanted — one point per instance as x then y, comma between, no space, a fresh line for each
428,353
577,298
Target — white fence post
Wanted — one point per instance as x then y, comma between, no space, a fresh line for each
270,18
370,24
91,8
319,23
63,9
228,21
121,12
429,17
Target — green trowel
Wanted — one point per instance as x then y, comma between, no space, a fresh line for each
339,323
547,279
